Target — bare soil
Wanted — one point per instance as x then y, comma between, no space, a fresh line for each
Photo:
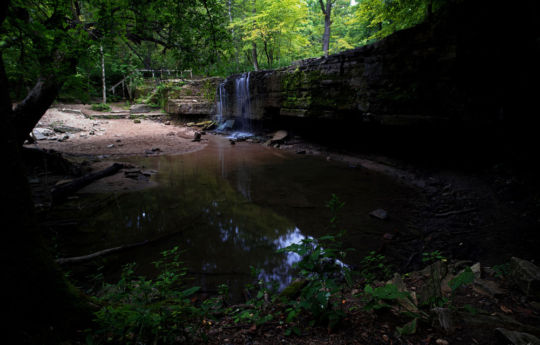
117,137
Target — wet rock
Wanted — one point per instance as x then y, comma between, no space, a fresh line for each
167,123
232,141
226,126
91,133
171,134
525,275
110,146
156,149
516,338
136,121
379,214
197,136
118,140
42,133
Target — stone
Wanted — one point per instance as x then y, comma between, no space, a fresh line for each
488,288
525,275
517,338
66,129
379,214
279,136
140,109
476,270
226,126
197,136
110,146
444,316
136,121
167,123
441,342
42,133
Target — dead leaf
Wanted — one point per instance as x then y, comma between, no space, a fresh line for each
506,310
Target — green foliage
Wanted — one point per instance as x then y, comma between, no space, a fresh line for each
382,297
101,107
464,278
501,270
322,267
433,256
374,267
138,310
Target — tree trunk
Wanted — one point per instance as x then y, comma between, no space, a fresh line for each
30,110
254,45
103,74
41,303
236,59
327,23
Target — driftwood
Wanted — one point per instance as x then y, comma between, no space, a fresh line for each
65,190
453,213
77,259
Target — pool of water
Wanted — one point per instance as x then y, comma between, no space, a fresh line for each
231,207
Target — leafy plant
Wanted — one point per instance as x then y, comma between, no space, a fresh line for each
139,310
374,267
101,107
382,297
433,256
326,275
464,278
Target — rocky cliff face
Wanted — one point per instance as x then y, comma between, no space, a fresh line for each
453,69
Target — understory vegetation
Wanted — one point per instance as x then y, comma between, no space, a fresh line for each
325,294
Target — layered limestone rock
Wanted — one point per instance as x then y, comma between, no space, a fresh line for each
195,98
449,69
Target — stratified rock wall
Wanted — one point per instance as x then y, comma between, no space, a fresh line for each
455,68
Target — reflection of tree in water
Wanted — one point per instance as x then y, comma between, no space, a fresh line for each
221,232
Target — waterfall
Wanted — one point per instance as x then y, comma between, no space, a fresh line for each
243,101
221,102
241,108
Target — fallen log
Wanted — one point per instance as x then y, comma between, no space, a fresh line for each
88,257
63,191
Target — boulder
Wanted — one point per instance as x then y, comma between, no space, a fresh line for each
526,276
42,133
516,338
379,214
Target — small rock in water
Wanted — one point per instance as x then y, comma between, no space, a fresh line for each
118,140
232,141
91,133
156,149
136,121
197,136
110,146
167,123
379,214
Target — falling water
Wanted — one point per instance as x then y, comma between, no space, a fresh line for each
221,103
242,108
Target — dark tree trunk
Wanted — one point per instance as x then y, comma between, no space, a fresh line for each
254,45
41,304
30,110
327,11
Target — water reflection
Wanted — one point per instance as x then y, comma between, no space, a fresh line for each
232,207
